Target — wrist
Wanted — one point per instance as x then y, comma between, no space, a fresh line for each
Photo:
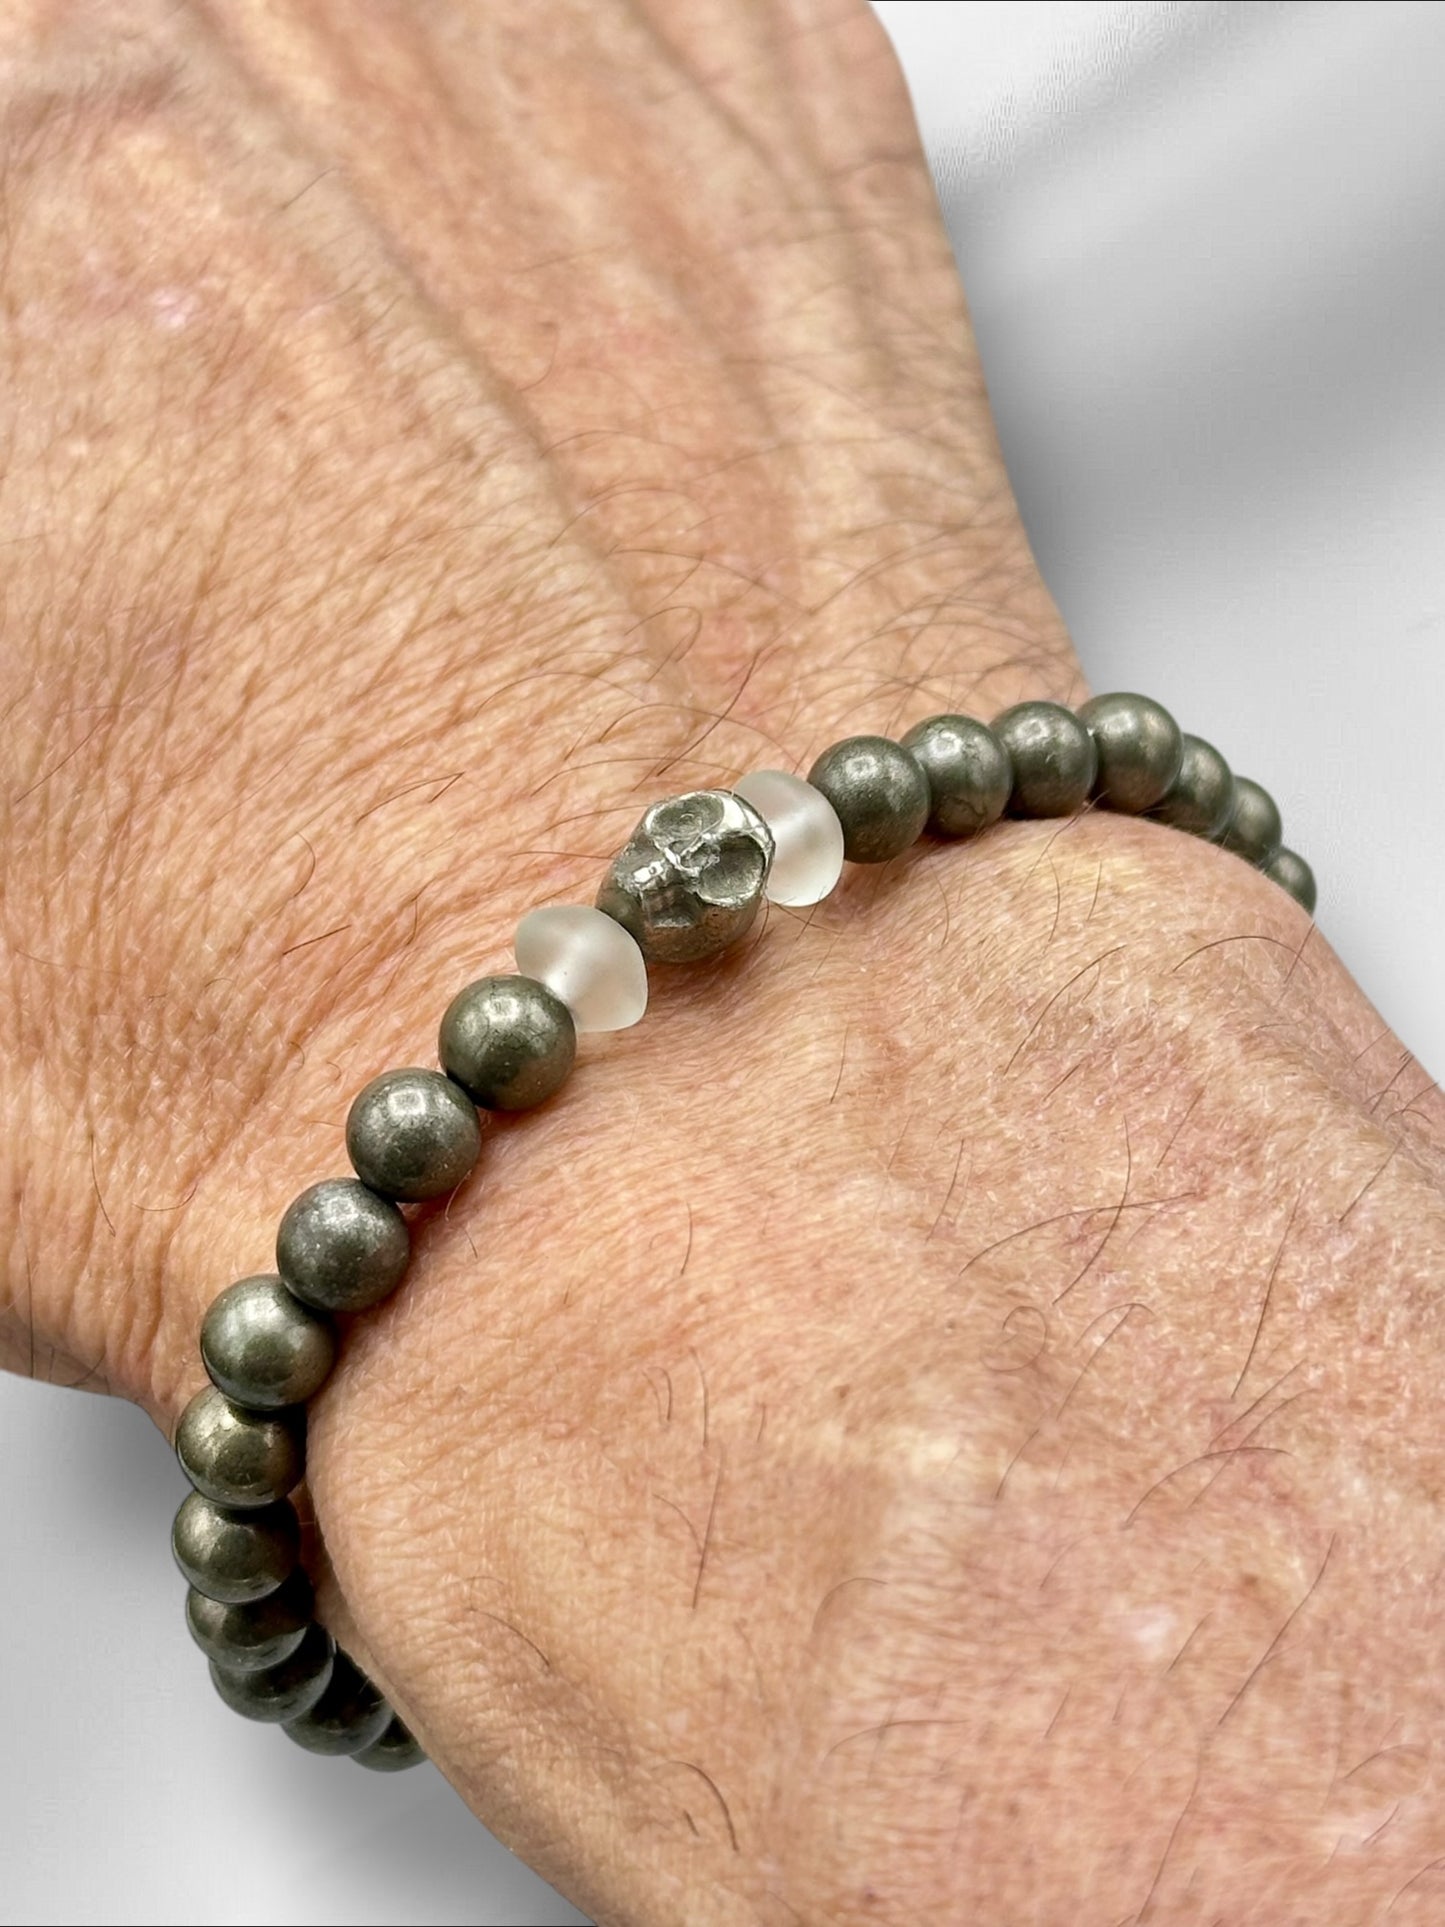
924,1382
289,912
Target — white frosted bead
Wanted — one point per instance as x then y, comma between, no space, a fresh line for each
588,960
809,857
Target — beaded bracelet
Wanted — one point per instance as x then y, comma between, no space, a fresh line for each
688,882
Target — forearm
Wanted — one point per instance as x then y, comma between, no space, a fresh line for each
913,1380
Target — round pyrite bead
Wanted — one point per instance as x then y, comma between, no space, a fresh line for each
394,1751
234,1556
689,880
1289,870
1139,748
412,1134
262,1348
1254,830
509,1042
350,1714
262,1632
282,1692
341,1247
235,1457
1200,800
1053,759
880,793
968,771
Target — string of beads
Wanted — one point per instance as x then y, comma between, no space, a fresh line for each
689,881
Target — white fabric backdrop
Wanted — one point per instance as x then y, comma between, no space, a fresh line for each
1205,250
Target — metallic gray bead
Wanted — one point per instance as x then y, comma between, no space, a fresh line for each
880,794
262,1348
1254,830
261,1633
235,1556
689,880
412,1134
235,1457
969,774
508,1041
1289,870
1139,747
1053,757
1200,800
350,1715
341,1247
393,1752
284,1691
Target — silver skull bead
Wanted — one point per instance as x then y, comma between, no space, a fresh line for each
690,878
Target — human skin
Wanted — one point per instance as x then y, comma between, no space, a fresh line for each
939,1422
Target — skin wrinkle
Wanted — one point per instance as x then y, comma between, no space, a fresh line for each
373,611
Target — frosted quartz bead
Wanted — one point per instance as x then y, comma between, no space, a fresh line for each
588,960
808,860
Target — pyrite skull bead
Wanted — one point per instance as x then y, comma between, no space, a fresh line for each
690,878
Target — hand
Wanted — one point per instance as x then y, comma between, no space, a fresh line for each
975,1347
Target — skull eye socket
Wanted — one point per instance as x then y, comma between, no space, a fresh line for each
736,870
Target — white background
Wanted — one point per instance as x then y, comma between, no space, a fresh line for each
1205,251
